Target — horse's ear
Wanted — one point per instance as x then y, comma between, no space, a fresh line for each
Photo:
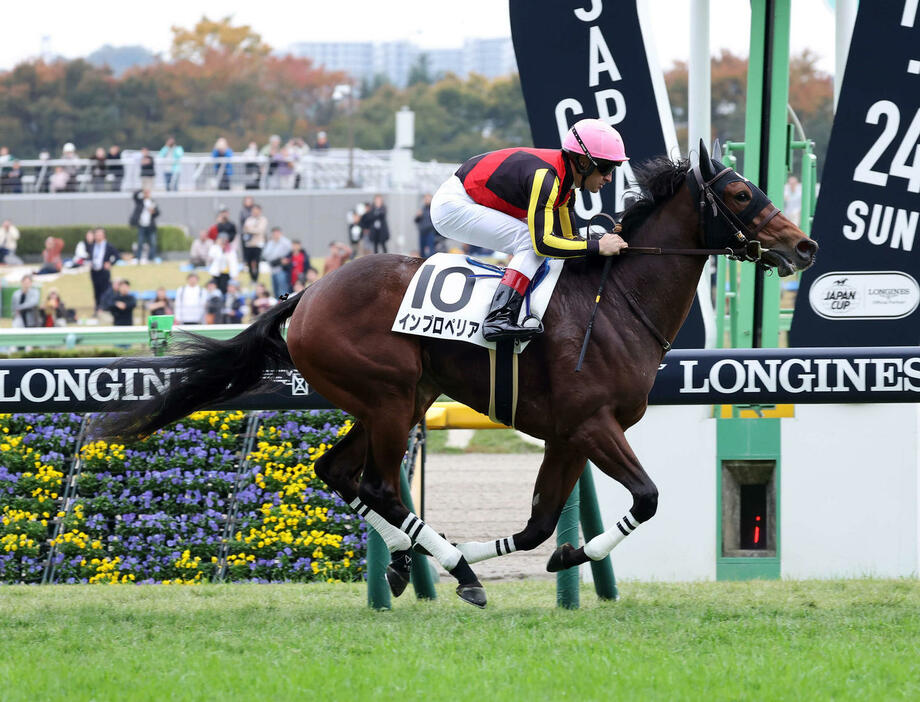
716,151
705,161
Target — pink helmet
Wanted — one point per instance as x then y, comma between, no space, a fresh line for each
595,139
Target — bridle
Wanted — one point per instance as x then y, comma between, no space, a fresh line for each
724,231
721,228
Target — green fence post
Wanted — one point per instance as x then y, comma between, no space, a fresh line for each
421,570
159,329
567,532
605,585
378,558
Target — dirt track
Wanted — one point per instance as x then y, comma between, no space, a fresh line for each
482,497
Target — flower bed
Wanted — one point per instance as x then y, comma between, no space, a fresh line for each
157,512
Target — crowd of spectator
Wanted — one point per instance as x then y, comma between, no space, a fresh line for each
225,261
275,165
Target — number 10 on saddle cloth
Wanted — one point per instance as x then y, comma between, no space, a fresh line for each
450,295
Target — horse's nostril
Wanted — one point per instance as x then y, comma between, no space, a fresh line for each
806,248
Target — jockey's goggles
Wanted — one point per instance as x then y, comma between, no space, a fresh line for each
605,168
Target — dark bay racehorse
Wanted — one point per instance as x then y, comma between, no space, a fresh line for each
339,338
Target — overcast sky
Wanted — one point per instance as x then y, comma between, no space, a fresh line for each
77,28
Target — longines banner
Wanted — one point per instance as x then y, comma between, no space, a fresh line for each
686,377
863,289
590,59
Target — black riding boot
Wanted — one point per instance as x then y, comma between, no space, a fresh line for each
502,320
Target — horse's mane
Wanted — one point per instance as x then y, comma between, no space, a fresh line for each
659,179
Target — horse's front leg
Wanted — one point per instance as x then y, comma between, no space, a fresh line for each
606,446
558,474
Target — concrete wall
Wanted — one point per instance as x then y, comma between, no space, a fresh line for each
850,491
849,494
677,448
315,218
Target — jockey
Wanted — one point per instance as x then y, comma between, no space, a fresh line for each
518,201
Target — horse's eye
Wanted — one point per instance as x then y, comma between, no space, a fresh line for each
743,196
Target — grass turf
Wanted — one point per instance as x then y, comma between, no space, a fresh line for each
756,640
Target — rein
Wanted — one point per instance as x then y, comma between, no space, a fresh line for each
750,249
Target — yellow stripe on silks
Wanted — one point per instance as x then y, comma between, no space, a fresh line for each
565,222
597,299
549,243
538,178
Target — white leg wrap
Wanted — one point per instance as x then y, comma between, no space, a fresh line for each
602,544
447,555
395,539
475,551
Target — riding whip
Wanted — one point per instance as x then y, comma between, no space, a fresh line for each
600,291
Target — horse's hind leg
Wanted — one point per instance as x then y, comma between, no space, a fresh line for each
341,465
608,449
378,495
559,472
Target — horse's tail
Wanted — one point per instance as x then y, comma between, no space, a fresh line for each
205,372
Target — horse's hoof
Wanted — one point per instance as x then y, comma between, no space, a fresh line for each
474,594
397,580
398,572
561,558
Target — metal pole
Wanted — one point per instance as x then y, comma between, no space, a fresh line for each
378,558
605,585
421,569
845,18
567,532
699,88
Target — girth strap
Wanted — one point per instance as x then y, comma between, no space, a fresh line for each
640,313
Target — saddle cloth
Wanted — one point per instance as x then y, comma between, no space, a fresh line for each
449,296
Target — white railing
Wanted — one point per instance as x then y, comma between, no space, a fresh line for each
315,170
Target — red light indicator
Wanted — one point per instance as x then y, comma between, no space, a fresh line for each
757,530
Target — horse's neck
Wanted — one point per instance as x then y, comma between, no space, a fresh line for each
664,286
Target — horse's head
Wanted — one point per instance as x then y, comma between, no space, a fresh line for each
736,214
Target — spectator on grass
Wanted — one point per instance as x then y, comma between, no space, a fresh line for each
55,314
123,304
201,247
246,210
254,231
25,304
262,300
339,253
277,252
9,237
160,304
252,169
81,253
377,224
102,256
148,169
223,167
427,235
234,303
171,155
214,303
222,224
223,263
310,277
144,217
190,301
115,170
51,256
322,142
300,262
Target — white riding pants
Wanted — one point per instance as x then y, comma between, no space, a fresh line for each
457,216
